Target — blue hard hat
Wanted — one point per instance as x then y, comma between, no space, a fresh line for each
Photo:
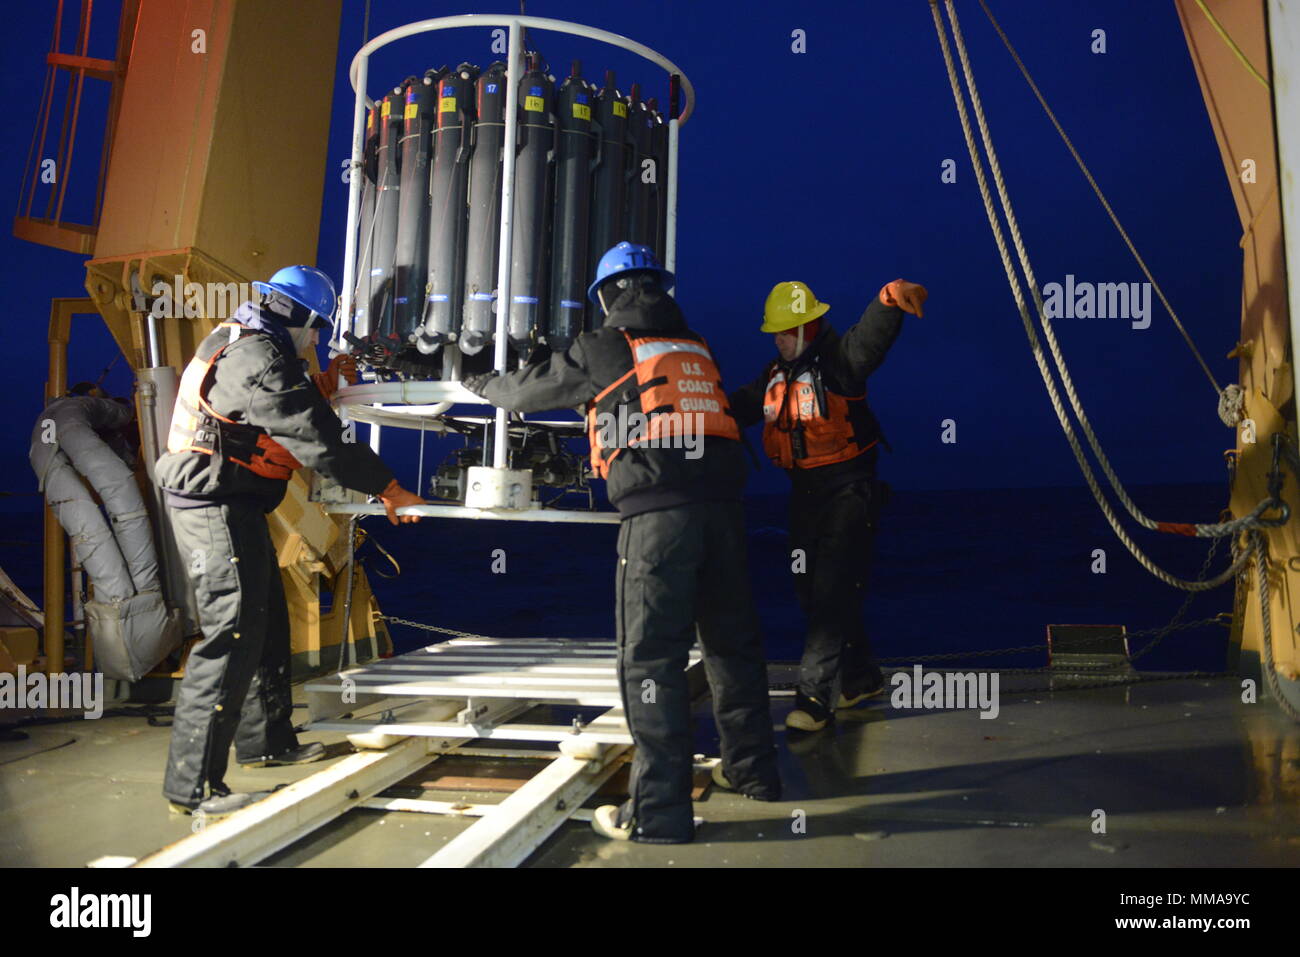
623,258
308,287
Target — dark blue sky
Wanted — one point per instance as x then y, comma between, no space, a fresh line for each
825,167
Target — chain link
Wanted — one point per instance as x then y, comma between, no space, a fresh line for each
1260,547
465,634
1161,633
1174,624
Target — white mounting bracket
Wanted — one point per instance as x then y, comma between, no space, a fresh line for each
498,488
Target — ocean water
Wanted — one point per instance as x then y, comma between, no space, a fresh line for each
953,571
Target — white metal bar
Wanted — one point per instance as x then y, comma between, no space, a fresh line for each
504,660
487,641
261,829
356,167
414,418
497,678
407,393
514,73
481,717
523,821
525,753
528,23
451,808
500,710
572,696
670,233
330,702
435,667
480,647
460,685
508,655
420,806
503,732
557,644
427,418
461,511
505,655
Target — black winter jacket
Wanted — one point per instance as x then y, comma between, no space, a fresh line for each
258,381
845,363
640,479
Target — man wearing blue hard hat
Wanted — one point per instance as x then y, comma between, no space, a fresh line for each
246,417
676,479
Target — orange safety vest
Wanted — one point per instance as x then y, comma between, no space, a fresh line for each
799,433
674,378
198,427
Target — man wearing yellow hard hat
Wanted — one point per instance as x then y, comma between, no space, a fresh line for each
812,401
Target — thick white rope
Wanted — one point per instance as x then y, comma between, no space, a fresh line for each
1032,282
1035,345
1087,173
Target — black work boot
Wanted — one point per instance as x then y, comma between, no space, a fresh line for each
220,803
809,714
303,754
755,791
616,822
857,691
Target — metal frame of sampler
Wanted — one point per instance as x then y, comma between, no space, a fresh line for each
392,399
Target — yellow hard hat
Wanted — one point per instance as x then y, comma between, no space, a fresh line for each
789,305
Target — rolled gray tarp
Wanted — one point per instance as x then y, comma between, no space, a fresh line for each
129,620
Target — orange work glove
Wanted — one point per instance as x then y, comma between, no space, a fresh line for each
345,366
907,296
342,365
395,497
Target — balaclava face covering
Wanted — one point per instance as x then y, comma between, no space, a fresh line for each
302,336
296,320
804,337
623,288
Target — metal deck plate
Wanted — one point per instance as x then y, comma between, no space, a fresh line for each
541,670
496,679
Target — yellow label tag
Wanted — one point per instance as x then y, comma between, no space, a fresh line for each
535,103
411,110
447,104
581,111
385,111
620,108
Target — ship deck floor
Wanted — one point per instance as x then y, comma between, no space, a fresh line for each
1186,774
